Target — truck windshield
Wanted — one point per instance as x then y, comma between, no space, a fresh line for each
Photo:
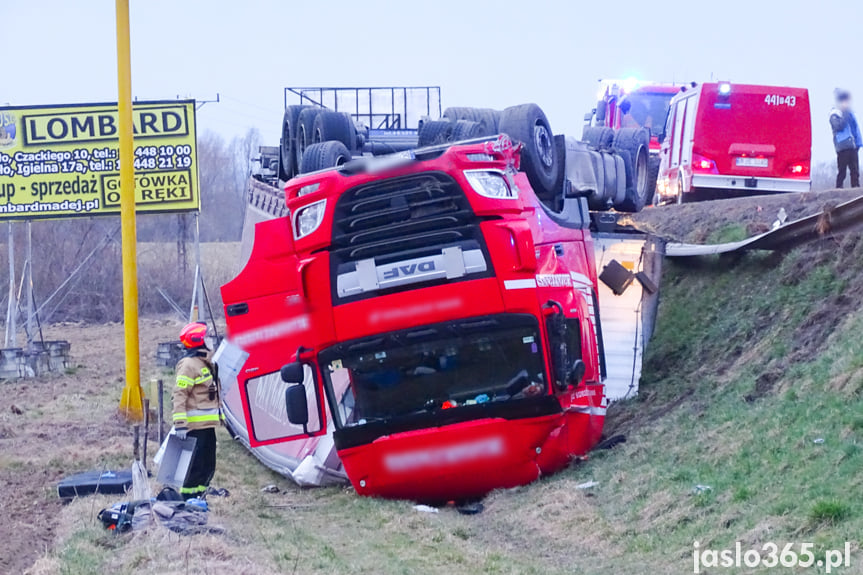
442,366
647,111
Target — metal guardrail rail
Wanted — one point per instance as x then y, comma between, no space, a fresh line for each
266,198
843,217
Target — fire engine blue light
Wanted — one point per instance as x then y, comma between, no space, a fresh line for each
724,89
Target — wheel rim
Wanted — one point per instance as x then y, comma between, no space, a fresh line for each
543,144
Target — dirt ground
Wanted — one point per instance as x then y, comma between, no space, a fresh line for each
63,423
695,222
77,422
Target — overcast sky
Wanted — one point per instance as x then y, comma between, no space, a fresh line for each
487,54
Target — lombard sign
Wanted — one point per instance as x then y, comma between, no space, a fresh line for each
63,161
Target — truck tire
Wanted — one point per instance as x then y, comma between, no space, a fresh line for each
465,130
335,126
636,181
555,197
630,201
598,137
305,132
636,142
432,133
539,157
652,178
288,167
323,155
488,119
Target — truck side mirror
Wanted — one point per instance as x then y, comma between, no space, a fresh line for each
298,407
576,374
293,373
601,110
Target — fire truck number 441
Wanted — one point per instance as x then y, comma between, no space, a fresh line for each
777,100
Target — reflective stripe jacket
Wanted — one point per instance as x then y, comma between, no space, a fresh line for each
196,395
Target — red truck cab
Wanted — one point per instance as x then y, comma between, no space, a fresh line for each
722,139
633,104
422,323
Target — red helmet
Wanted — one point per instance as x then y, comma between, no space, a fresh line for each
193,335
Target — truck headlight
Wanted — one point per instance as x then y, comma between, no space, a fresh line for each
490,184
308,218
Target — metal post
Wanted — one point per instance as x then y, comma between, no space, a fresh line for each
30,314
146,429
12,310
130,401
199,274
193,316
136,442
161,391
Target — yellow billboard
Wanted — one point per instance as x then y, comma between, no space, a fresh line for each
63,161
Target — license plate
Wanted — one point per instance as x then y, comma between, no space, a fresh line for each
752,162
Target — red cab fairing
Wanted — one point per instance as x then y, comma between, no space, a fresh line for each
381,272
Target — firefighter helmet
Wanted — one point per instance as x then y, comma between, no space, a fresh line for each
193,335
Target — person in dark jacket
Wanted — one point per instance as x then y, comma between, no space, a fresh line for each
846,139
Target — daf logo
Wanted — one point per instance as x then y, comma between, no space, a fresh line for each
409,270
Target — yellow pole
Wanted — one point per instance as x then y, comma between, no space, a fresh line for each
131,400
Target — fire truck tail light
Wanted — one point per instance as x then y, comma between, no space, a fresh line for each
706,164
798,169
490,184
724,88
308,218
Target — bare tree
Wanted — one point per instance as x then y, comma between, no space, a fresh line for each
221,190
243,148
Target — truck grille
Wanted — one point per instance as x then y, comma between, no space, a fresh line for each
400,219
418,211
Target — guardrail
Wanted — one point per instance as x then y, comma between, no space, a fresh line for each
266,198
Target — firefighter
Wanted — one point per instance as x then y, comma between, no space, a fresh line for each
846,139
196,407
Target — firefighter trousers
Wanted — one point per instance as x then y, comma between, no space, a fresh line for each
203,464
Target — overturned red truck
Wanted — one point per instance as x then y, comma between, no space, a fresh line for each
421,324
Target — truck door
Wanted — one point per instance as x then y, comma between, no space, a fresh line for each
677,133
264,397
688,129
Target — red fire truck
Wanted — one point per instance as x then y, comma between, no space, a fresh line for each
722,138
624,105
421,324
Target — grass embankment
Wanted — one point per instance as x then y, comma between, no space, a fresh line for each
752,386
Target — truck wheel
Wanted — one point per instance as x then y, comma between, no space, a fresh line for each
636,141
335,126
599,137
305,132
652,177
465,130
432,133
539,158
323,155
488,119
288,166
636,181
